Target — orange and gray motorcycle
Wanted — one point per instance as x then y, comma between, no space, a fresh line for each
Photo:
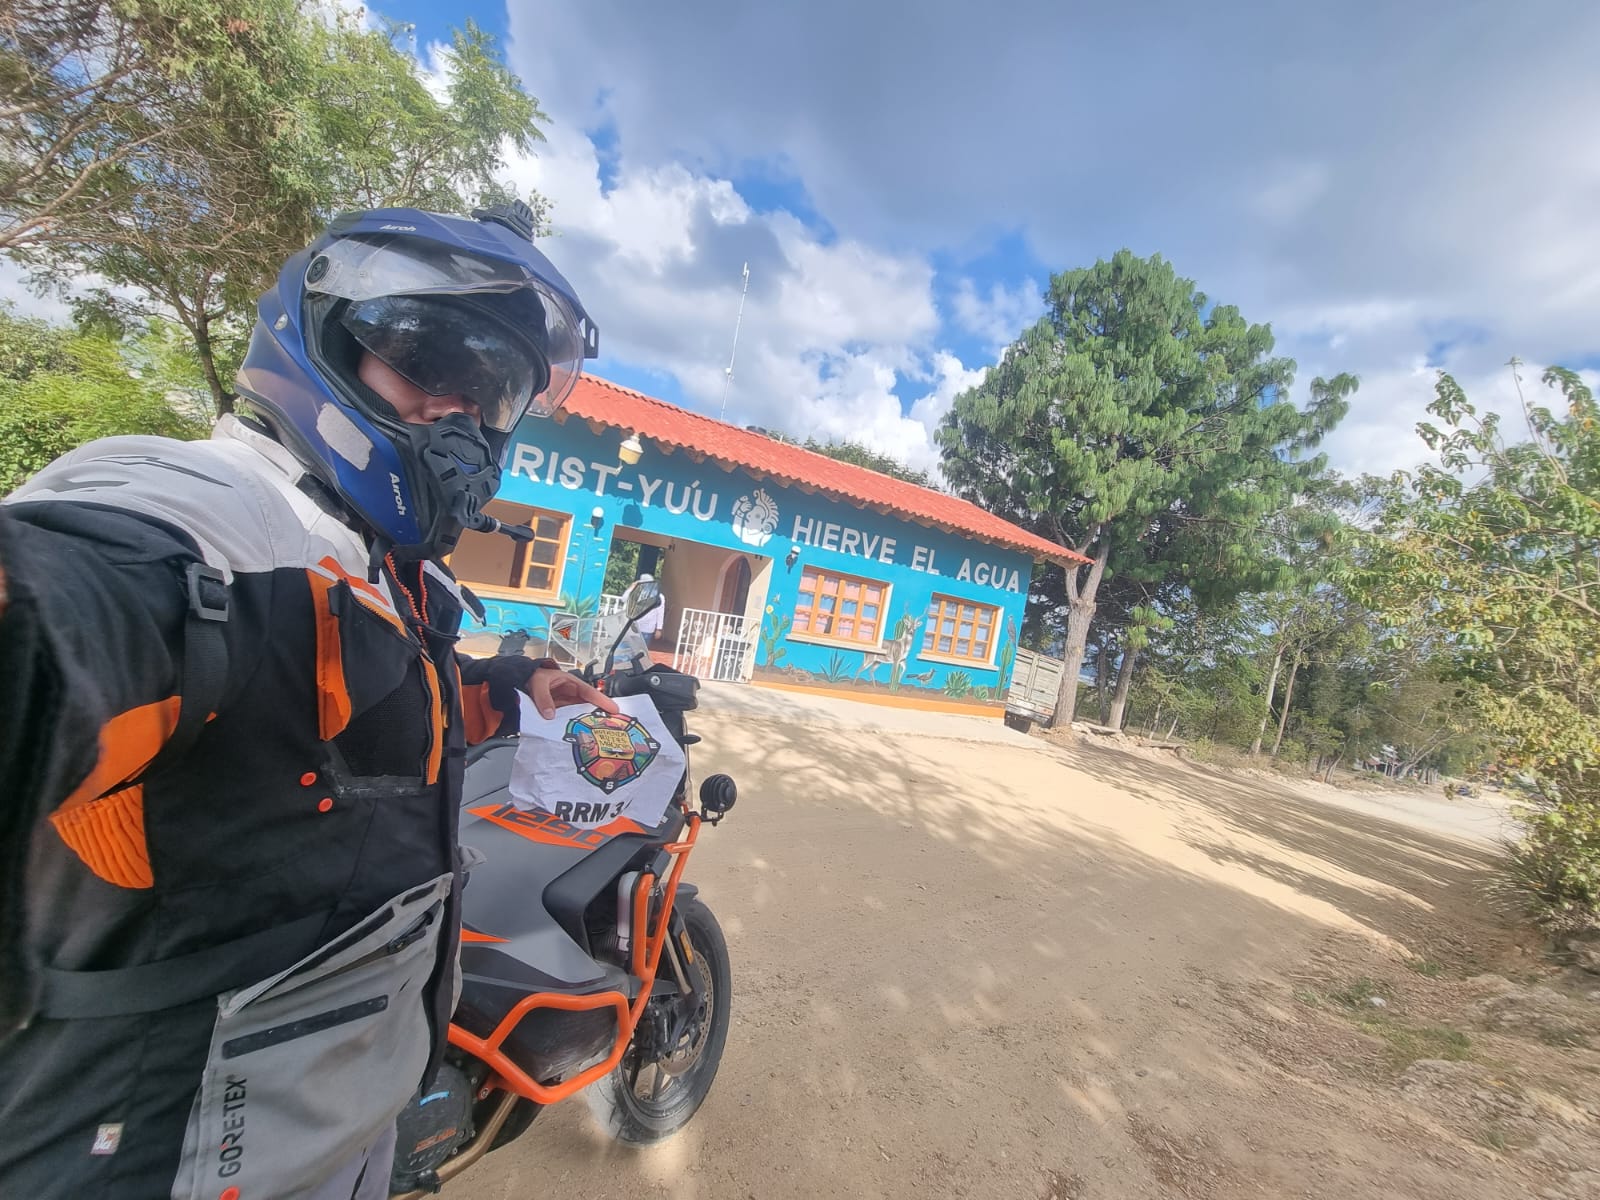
588,964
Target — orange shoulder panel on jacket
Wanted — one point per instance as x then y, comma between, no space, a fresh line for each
108,835
128,742
107,831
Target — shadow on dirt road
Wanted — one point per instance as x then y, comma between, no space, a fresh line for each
974,970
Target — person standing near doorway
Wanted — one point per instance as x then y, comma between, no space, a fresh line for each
649,625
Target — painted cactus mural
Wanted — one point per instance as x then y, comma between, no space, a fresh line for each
774,629
1008,653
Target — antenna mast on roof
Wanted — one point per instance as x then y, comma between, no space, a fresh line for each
727,375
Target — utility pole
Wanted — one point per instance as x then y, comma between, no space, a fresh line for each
727,375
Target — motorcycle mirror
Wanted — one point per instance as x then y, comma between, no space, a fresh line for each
643,597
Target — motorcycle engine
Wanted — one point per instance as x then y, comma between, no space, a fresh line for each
430,1128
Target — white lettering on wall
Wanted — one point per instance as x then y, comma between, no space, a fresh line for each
527,460
992,575
755,517
676,506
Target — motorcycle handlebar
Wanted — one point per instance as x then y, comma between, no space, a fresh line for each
667,687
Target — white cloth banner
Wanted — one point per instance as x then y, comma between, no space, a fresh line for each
589,767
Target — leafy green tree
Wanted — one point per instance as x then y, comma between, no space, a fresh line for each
93,388
622,567
1134,405
864,456
1495,553
29,345
182,149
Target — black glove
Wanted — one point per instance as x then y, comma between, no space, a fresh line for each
507,675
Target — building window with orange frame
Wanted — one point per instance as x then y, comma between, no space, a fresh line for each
960,631
837,608
496,564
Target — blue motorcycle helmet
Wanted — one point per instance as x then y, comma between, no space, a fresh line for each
456,306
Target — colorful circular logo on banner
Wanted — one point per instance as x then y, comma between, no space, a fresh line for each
610,750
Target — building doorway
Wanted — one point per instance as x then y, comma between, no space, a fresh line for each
733,590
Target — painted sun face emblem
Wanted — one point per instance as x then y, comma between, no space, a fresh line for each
610,750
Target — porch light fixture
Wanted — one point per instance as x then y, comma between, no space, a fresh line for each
597,518
792,557
629,452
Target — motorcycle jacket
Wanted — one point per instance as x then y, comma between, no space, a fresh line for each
231,753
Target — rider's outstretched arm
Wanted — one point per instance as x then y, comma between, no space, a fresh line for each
92,612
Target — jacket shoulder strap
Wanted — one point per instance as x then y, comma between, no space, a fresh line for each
205,660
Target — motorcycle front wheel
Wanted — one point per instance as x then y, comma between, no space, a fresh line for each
656,1089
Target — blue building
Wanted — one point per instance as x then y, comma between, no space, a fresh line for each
779,566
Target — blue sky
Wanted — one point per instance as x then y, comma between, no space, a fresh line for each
1396,188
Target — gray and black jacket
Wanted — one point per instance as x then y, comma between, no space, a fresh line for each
226,968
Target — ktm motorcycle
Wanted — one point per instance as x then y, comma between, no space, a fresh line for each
587,963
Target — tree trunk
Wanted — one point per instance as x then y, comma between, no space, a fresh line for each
1172,729
1327,775
220,396
1080,612
1155,721
1288,695
1272,691
1119,702
1102,680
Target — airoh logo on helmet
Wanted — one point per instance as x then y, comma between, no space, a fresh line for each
398,228
399,496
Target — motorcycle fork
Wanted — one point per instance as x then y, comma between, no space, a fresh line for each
678,935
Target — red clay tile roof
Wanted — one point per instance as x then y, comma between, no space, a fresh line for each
605,403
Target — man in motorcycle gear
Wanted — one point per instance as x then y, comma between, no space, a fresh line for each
232,722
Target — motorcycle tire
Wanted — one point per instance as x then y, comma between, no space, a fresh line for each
617,1101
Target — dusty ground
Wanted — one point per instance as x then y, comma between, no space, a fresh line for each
1000,968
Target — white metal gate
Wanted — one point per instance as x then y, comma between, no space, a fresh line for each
715,645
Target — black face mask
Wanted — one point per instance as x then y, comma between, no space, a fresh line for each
454,473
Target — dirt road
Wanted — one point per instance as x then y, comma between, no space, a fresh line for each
968,969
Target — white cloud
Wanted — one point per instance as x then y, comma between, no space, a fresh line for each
1371,222
830,328
1001,315
1290,191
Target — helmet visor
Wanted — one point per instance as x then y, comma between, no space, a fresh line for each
451,349
518,348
